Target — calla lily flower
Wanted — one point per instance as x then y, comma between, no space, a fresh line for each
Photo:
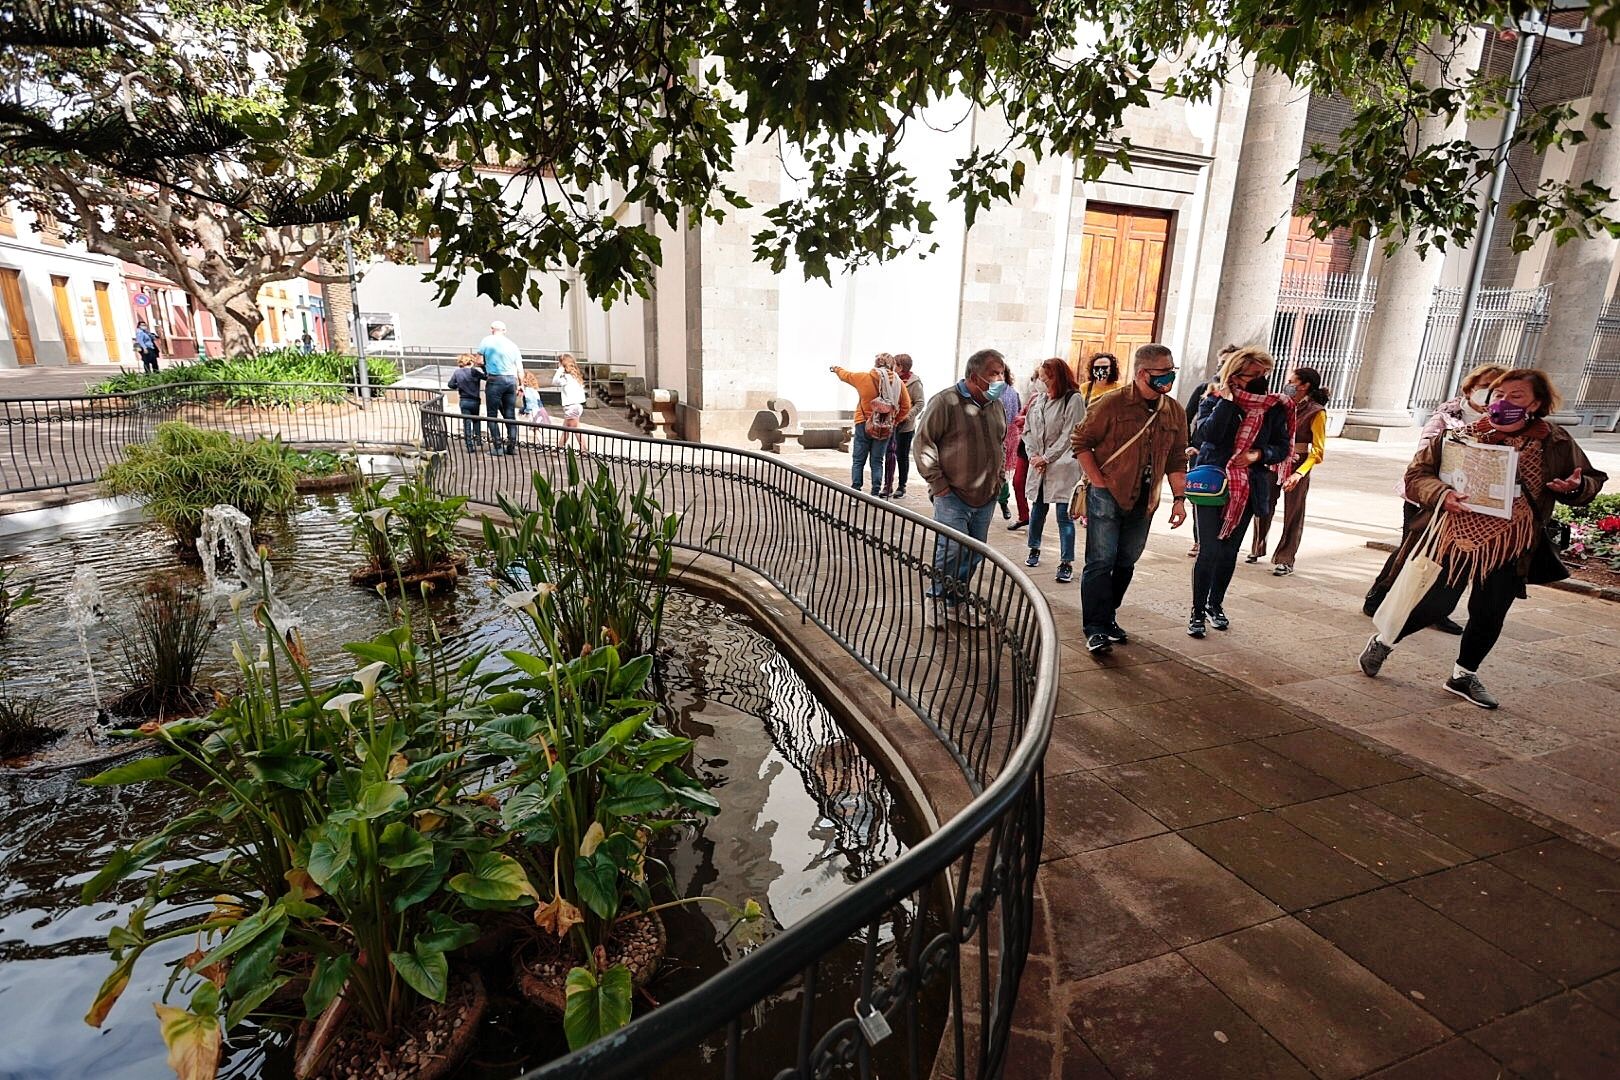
342,703
379,517
367,677
240,656
523,600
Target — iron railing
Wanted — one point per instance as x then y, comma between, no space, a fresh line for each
1506,330
958,905
941,933
1321,322
1600,380
63,442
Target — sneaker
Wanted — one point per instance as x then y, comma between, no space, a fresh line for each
933,617
1065,573
964,615
1468,686
1281,570
1373,657
1192,552
1099,645
1449,625
900,492
1251,559
1005,513
1116,634
1034,557
886,493
1218,619
1195,625
497,452
1015,526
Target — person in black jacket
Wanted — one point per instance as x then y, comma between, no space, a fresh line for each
468,383
1245,431
1193,402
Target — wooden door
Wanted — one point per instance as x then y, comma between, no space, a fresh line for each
109,328
1122,256
64,319
11,295
1308,254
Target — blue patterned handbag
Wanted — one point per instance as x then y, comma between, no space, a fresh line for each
1206,485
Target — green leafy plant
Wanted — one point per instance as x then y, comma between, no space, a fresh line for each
332,843
242,380
608,552
185,470
323,463
14,596
1594,530
415,522
161,651
21,729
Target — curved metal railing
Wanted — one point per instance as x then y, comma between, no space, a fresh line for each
943,930
979,693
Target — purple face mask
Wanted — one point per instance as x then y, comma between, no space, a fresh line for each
1506,414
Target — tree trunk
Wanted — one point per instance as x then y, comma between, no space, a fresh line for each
237,318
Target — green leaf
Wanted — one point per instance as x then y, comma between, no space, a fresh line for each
330,973
255,963
528,663
293,771
634,793
445,934
597,881
240,1007
147,768
621,732
330,854
403,847
427,972
654,754
494,876
246,932
631,677
380,798
420,882
594,1009
124,862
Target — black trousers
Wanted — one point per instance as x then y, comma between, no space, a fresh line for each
1217,558
1488,606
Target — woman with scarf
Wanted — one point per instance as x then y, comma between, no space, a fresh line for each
1245,431
1104,376
1049,422
1497,556
1291,481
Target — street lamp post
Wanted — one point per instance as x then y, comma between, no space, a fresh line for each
359,330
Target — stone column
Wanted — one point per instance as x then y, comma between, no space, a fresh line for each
1579,270
1406,283
1262,201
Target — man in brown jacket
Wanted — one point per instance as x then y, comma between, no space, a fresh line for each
959,454
1129,442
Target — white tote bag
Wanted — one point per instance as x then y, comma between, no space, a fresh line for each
1416,578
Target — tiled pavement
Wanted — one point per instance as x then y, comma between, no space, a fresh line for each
1260,863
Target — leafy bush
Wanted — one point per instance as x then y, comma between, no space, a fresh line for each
20,728
231,378
161,652
608,553
185,470
322,463
1594,529
14,596
415,520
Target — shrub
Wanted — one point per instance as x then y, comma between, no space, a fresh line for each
231,378
185,470
608,553
322,463
171,632
20,728
415,521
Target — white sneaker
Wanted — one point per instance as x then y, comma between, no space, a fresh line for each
965,615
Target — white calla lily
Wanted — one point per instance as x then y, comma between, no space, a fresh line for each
379,517
523,600
367,677
342,703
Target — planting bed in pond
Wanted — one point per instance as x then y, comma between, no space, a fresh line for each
804,814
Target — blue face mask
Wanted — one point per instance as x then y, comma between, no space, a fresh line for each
1162,383
995,389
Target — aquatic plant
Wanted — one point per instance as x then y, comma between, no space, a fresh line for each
161,650
184,470
14,596
608,554
412,530
21,730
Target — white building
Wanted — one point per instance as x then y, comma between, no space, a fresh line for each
59,305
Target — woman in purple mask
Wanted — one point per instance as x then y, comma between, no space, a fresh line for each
1497,556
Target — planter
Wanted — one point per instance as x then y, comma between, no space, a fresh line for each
338,481
439,579
541,969
428,1046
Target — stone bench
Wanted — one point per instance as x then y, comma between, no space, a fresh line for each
654,413
779,421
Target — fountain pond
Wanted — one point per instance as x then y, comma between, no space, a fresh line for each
804,813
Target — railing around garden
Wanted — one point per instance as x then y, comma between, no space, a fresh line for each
943,929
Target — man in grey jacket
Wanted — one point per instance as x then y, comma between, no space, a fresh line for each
959,455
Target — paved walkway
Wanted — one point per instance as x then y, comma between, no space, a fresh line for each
1260,863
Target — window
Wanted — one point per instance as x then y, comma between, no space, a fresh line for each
8,227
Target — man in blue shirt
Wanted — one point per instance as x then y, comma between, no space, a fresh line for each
503,363
146,346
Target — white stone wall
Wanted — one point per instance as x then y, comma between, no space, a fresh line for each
38,263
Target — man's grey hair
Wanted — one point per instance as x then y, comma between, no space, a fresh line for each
1147,354
976,363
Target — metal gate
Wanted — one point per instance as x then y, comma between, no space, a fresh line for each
1321,322
1599,399
1506,330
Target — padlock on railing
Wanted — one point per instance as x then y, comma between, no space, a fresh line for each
874,1025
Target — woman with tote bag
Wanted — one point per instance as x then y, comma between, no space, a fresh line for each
1497,556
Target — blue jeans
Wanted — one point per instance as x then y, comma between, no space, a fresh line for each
865,448
1114,541
1037,525
953,562
469,428
500,399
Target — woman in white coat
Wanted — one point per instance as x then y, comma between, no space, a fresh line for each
1053,415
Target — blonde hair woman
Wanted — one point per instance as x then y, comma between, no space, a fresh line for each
468,383
571,380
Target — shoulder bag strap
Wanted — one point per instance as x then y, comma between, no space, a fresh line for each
1132,441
